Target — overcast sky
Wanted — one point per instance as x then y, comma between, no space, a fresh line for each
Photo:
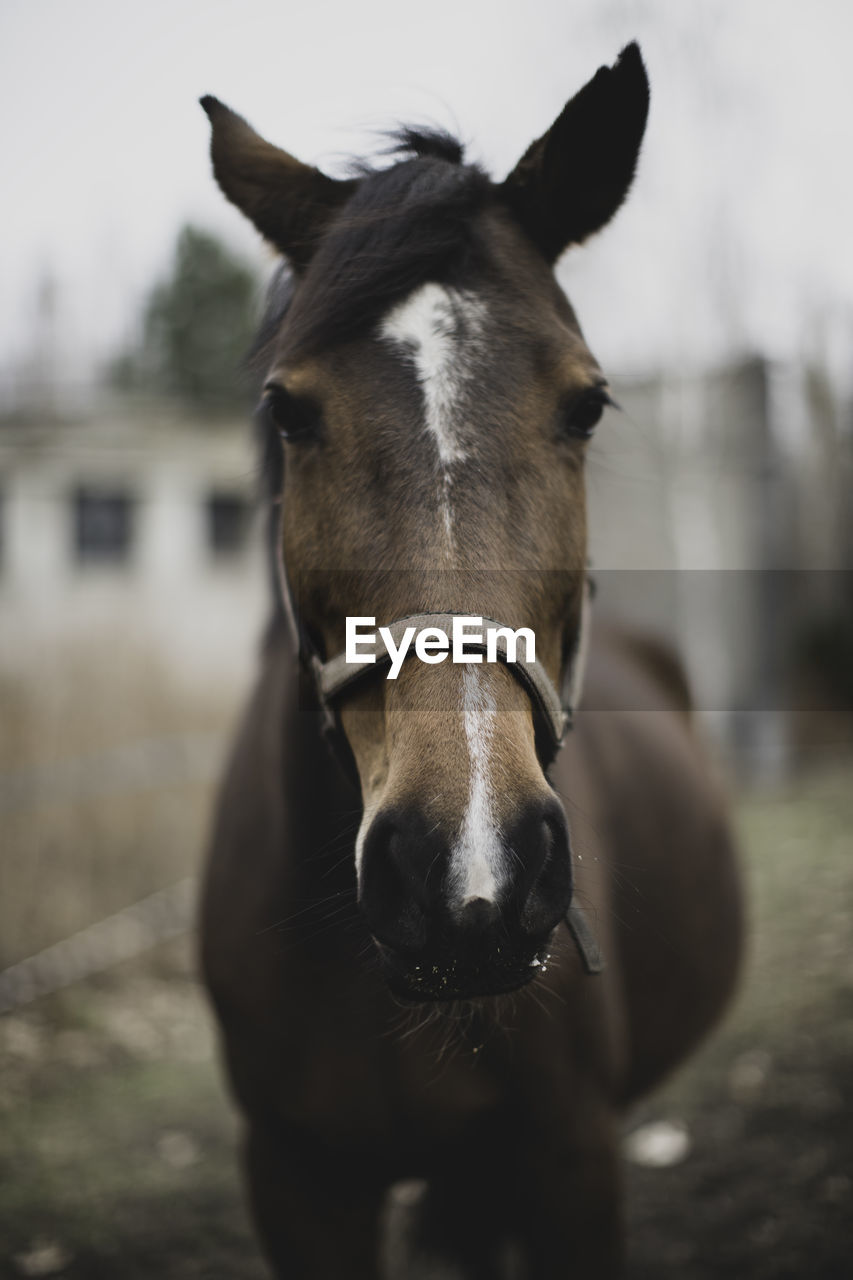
737,235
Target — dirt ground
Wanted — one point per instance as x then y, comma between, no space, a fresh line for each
117,1144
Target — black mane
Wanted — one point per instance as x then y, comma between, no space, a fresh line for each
409,141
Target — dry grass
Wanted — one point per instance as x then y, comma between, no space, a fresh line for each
106,776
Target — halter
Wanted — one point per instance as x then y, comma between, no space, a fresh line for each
553,712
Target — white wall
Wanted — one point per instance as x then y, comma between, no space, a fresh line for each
199,614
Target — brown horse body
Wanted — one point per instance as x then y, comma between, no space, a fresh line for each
326,899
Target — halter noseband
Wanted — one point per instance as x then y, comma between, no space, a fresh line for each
555,711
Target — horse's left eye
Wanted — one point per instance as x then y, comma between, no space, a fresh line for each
582,414
293,417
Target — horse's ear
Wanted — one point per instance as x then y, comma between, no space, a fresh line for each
289,202
571,181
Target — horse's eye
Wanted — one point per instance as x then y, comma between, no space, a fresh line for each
581,415
293,417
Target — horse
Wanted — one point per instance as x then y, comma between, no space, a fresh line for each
435,1003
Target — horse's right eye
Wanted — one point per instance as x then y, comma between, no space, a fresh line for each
581,415
295,418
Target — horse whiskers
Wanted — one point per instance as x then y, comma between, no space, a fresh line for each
346,836
583,814
306,934
432,829
537,995
349,856
456,1020
512,853
312,905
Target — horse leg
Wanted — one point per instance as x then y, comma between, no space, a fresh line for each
317,1219
570,1207
457,1228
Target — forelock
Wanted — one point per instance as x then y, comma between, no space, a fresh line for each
404,225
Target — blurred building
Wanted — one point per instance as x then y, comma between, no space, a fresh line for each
720,517
131,530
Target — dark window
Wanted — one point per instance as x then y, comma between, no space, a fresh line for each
227,522
103,525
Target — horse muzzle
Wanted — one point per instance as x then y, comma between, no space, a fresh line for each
434,944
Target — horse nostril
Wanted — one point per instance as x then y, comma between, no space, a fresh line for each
542,842
392,888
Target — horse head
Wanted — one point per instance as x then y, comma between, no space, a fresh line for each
435,396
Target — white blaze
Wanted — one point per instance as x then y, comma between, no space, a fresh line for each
441,330
438,328
477,857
